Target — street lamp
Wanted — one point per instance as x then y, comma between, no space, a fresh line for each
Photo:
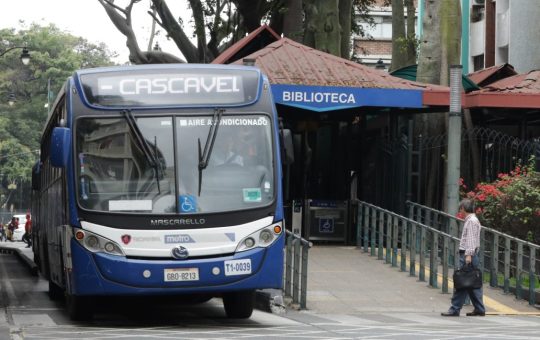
25,54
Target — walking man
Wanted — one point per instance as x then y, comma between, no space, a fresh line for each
27,237
469,247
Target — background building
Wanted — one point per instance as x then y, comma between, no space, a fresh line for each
504,31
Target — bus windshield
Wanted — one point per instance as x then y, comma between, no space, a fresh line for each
116,174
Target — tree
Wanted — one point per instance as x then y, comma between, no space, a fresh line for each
439,48
218,24
403,36
54,57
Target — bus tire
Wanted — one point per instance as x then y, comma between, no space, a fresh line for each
79,307
55,291
239,305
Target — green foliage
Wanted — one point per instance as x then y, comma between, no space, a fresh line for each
512,203
55,55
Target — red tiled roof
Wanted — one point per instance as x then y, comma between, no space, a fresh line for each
519,91
520,83
231,54
288,62
489,75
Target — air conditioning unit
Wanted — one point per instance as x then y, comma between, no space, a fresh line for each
479,2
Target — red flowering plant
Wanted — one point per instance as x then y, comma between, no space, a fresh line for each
510,204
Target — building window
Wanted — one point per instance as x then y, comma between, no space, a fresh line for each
478,13
478,62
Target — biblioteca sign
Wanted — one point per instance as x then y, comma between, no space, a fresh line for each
330,98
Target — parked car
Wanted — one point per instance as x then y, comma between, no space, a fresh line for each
19,232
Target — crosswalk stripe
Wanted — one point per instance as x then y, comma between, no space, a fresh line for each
33,320
349,319
423,318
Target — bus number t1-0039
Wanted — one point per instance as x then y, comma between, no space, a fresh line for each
237,267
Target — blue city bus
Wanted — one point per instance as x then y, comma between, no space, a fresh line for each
160,180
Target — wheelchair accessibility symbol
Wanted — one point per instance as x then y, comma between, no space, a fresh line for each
188,203
326,225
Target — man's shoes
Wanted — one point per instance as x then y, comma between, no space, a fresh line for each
476,313
449,313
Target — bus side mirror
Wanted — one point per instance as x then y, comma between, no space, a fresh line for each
288,148
60,146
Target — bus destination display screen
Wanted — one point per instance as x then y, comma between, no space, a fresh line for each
150,88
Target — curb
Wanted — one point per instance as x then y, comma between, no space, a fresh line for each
269,300
20,254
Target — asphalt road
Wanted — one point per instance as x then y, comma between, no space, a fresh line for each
27,313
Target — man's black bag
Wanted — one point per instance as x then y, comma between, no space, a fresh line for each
468,277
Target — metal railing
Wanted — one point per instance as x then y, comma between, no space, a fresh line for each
507,260
403,242
423,250
296,269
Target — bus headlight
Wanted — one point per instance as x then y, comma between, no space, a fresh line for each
96,243
92,243
261,238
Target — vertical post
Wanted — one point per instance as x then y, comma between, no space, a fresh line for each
380,239
434,260
412,252
395,237
303,289
507,252
288,266
494,270
373,230
422,253
404,245
454,143
388,228
532,278
445,264
519,271
367,219
296,275
360,224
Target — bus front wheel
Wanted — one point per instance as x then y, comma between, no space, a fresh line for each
79,307
239,305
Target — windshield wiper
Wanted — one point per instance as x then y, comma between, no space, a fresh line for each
204,156
149,154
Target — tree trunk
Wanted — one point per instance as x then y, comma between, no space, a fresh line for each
439,48
411,33
450,14
323,31
345,17
399,40
293,27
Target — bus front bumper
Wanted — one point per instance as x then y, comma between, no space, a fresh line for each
103,274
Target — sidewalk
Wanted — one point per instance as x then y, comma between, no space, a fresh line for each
345,280
25,254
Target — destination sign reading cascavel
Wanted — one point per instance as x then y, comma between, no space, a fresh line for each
163,89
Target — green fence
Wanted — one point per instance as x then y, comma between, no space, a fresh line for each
296,269
426,245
